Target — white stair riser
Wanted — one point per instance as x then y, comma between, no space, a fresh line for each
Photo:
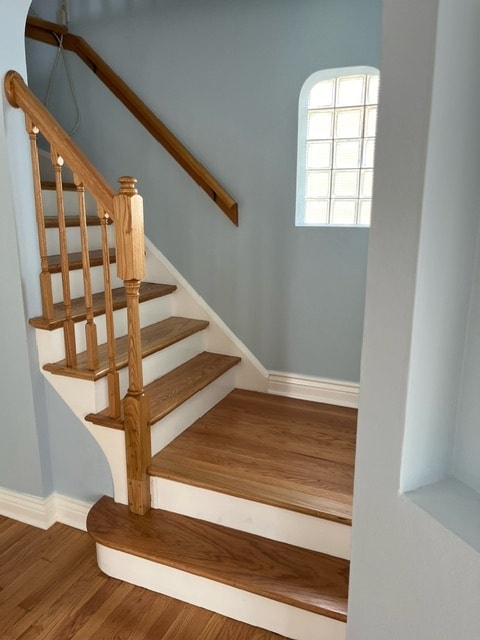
154,366
264,520
51,347
70,203
235,603
173,424
76,282
74,242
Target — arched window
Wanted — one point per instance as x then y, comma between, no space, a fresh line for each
336,144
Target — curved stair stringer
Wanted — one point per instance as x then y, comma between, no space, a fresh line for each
250,373
81,396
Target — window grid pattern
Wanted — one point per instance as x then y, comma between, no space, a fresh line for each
340,148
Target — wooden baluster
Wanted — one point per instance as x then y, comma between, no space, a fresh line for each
45,275
128,216
68,324
113,381
90,326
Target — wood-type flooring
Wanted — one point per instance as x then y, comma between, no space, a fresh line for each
52,589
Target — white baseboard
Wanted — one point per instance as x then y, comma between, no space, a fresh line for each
44,512
344,394
71,511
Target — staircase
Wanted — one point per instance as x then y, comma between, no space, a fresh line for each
250,493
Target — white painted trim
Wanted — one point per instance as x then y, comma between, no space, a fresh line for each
33,510
344,394
71,511
235,603
44,512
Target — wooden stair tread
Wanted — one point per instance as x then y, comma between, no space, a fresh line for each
51,222
306,579
154,338
52,186
75,260
324,504
148,291
171,390
288,453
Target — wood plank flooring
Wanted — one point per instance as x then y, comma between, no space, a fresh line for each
281,451
52,589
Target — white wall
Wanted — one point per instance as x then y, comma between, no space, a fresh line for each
226,77
412,578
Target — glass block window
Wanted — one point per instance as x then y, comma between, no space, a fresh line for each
336,149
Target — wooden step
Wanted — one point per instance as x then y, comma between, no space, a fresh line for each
148,291
305,579
75,260
171,390
51,186
288,453
154,338
51,222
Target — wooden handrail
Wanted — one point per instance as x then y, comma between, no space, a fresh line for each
125,208
20,96
51,33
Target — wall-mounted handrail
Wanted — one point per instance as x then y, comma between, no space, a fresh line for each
50,33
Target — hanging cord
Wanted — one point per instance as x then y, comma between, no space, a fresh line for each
61,54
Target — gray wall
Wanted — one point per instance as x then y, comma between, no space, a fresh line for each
24,453
44,447
226,77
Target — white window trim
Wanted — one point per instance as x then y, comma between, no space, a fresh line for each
318,76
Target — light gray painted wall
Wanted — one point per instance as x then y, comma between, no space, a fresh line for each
450,213
44,448
226,77
24,454
410,577
466,457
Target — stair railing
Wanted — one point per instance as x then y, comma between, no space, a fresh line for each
52,33
125,208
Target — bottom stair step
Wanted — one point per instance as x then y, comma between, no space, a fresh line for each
307,580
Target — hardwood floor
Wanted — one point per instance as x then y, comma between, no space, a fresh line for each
52,589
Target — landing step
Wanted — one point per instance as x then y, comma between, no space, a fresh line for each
154,338
305,579
148,291
288,453
176,387
75,260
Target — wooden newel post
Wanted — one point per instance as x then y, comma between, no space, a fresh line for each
130,248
